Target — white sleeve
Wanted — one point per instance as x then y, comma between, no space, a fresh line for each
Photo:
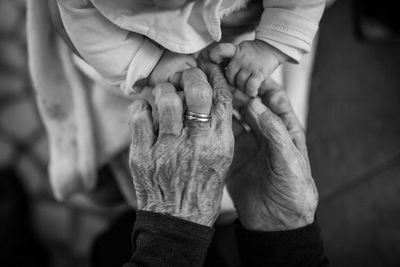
123,58
290,25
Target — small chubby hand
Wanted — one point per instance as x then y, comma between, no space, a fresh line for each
275,191
170,68
180,171
251,63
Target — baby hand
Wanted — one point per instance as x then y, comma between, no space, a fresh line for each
170,68
252,62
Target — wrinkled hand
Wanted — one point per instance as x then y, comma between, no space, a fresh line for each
251,63
170,68
275,191
181,171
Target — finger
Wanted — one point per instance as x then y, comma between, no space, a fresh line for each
197,90
232,70
269,85
222,51
198,94
276,99
241,79
175,77
141,127
253,84
240,99
222,108
170,110
272,129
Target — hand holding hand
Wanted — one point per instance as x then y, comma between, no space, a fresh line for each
170,68
275,191
252,62
181,171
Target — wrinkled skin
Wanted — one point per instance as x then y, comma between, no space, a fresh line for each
275,191
181,170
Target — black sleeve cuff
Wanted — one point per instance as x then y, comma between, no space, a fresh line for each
299,247
162,240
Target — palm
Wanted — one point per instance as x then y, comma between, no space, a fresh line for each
274,190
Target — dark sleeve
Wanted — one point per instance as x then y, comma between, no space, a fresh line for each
162,240
300,247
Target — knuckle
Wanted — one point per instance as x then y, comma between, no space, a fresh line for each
224,96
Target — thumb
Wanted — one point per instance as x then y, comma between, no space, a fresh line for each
270,127
222,51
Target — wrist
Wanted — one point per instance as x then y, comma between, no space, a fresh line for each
192,214
277,54
272,224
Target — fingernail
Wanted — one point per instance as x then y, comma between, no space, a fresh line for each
257,106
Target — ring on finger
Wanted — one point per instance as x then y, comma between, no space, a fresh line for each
199,117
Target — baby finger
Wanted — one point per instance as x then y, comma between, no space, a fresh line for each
241,79
253,84
231,71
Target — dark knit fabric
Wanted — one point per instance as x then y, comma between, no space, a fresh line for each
161,240
301,247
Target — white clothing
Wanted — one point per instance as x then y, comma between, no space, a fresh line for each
124,39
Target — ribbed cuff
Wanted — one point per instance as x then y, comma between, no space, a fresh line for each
288,31
300,247
174,226
162,240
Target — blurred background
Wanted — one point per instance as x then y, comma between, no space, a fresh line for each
353,136
61,234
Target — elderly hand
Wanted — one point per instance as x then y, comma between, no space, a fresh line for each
181,171
275,191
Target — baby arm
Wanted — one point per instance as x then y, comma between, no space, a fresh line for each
285,32
170,68
123,58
